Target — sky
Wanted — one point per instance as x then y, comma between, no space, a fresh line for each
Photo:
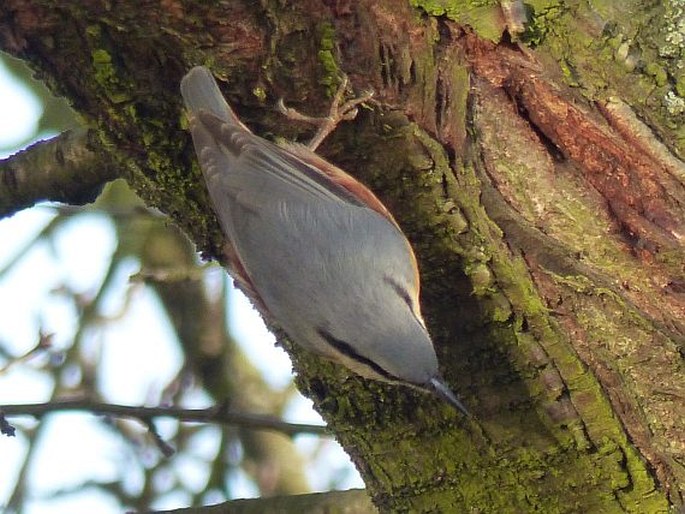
78,258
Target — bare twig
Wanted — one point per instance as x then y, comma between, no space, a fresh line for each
219,415
44,343
164,447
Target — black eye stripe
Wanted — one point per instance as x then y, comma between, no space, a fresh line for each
401,291
404,294
346,349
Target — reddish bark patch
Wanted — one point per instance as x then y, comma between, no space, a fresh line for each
645,200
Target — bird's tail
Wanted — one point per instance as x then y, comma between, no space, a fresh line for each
201,93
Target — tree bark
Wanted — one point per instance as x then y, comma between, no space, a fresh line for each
547,218
351,501
63,169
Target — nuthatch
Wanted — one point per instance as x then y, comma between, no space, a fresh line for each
313,247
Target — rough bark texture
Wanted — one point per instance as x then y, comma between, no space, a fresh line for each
547,219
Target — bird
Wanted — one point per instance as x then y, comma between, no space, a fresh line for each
314,248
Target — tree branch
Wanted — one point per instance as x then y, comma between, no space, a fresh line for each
352,500
63,169
146,415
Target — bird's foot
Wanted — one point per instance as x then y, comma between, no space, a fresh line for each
340,111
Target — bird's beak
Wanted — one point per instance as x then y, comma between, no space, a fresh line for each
437,385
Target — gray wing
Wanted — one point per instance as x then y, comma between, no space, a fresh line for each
255,169
238,161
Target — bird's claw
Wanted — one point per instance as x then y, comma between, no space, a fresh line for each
339,111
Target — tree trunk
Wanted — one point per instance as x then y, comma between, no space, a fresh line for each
548,219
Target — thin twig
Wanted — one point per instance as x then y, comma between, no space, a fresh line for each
219,415
164,447
44,343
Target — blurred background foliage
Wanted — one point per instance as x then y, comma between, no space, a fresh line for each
110,302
